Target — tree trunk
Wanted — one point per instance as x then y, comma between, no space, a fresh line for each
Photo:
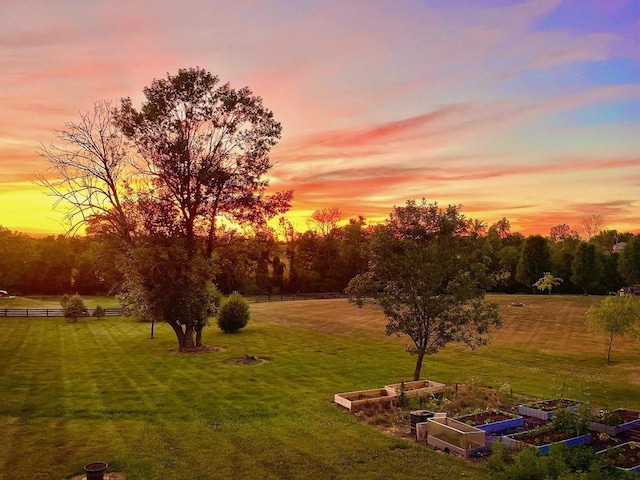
416,372
198,330
609,350
187,338
153,322
179,333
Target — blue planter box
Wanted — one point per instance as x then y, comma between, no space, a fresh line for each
613,449
541,411
500,425
509,441
614,430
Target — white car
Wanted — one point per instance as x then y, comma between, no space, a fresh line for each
4,293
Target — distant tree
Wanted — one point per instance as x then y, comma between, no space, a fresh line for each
502,228
591,226
429,277
616,316
326,220
562,232
98,312
535,258
64,301
75,308
629,262
547,282
234,314
586,268
277,268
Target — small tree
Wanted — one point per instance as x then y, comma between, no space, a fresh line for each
234,314
64,301
75,308
429,277
98,312
547,282
616,316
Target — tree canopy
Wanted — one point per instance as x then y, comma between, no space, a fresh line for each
158,180
429,277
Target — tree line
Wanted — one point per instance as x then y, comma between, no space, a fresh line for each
323,258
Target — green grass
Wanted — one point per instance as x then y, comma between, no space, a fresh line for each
102,390
53,301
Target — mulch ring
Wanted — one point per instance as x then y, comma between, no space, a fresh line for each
107,476
247,360
200,350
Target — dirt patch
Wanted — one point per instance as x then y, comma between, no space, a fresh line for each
200,350
248,360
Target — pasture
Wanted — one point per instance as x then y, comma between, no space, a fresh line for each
102,390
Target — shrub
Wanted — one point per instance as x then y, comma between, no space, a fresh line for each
75,308
98,312
233,314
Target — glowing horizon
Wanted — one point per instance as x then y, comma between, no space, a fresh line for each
528,110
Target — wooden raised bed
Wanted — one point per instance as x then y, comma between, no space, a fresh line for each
544,409
359,399
543,438
619,421
417,388
453,436
492,420
625,456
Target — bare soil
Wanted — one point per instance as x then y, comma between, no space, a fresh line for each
625,456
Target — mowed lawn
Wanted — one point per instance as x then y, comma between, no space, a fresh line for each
102,390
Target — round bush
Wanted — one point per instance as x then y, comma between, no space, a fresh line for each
233,314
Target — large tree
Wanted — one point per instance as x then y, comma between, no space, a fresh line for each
429,276
199,153
629,262
535,259
586,268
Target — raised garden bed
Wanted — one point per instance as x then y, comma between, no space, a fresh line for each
544,409
359,399
453,436
543,438
616,421
417,388
492,420
625,456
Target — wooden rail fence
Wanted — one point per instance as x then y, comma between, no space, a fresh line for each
52,312
118,312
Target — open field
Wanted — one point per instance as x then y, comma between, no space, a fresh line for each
101,390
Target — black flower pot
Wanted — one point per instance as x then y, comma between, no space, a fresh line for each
95,470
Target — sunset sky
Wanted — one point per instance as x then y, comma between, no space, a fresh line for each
528,110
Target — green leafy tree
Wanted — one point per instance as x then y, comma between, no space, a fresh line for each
586,268
234,314
535,258
547,282
616,316
98,312
429,277
629,261
157,181
75,308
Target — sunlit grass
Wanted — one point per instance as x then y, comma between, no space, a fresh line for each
102,390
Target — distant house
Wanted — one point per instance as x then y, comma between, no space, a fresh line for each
618,247
632,290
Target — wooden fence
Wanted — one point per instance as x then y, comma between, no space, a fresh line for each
52,312
118,312
297,296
